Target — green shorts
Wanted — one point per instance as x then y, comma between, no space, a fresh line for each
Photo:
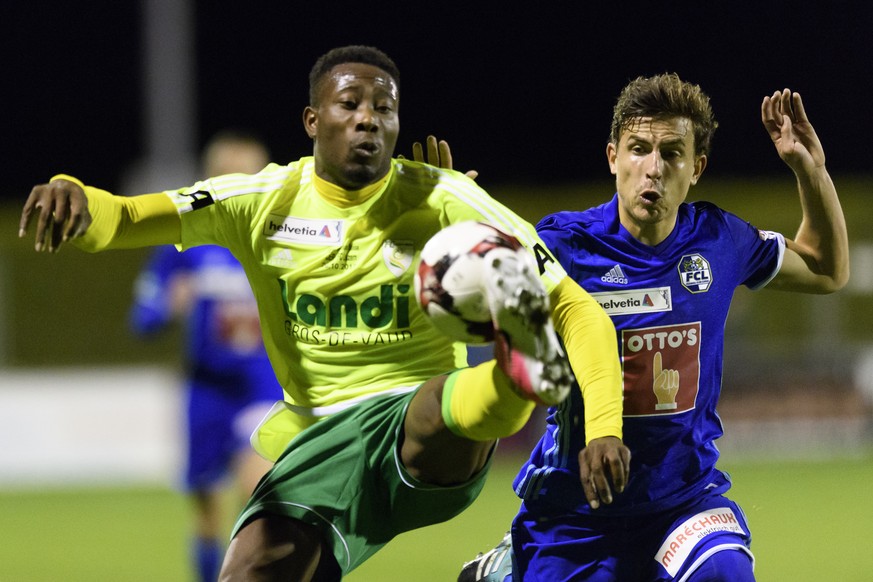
344,476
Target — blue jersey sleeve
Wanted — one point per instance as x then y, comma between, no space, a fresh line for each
759,251
151,310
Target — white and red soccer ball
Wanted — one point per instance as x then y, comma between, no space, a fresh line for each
449,282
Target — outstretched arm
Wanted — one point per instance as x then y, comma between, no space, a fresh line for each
817,260
589,335
67,210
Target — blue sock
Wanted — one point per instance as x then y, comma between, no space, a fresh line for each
208,555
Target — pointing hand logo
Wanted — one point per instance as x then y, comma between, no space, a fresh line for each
666,385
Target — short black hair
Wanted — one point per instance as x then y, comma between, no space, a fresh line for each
349,54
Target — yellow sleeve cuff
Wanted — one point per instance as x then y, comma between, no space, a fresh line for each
592,348
75,181
120,222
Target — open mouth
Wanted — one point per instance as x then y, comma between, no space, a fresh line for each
650,196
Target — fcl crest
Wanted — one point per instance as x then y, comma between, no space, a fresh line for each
695,273
398,256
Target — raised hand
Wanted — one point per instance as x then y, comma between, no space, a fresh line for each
785,119
438,154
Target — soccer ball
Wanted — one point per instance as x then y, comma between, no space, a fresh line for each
449,282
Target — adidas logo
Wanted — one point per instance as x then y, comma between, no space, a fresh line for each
282,258
615,275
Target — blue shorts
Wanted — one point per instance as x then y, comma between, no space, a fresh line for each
653,547
220,421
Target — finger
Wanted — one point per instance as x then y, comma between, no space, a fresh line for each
618,470
587,480
601,484
595,481
767,114
625,460
472,174
656,365
57,232
26,213
785,104
590,490
445,155
76,224
799,110
433,152
778,118
58,220
43,224
417,152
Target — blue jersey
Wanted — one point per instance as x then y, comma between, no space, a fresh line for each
669,304
224,346
230,383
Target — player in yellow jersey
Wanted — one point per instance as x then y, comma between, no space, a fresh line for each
383,428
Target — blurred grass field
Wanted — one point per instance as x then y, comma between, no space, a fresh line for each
811,521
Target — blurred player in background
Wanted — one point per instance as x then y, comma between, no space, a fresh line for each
665,271
230,385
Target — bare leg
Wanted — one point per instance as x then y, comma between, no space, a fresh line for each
209,534
208,522
278,548
430,451
249,467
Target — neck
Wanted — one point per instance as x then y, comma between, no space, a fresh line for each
343,198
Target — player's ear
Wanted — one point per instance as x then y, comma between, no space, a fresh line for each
310,121
699,166
610,156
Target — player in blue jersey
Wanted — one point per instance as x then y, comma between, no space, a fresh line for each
229,382
665,270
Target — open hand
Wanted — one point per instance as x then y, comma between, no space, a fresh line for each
60,210
785,119
438,154
604,466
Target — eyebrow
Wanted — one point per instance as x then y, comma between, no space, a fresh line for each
673,140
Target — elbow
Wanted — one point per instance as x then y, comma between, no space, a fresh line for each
833,282
839,281
839,275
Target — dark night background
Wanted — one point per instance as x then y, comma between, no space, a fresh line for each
523,94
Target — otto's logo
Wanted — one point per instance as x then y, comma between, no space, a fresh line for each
695,273
342,311
661,369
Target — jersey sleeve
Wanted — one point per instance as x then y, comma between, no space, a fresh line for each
120,222
470,202
760,252
151,309
592,347
223,210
